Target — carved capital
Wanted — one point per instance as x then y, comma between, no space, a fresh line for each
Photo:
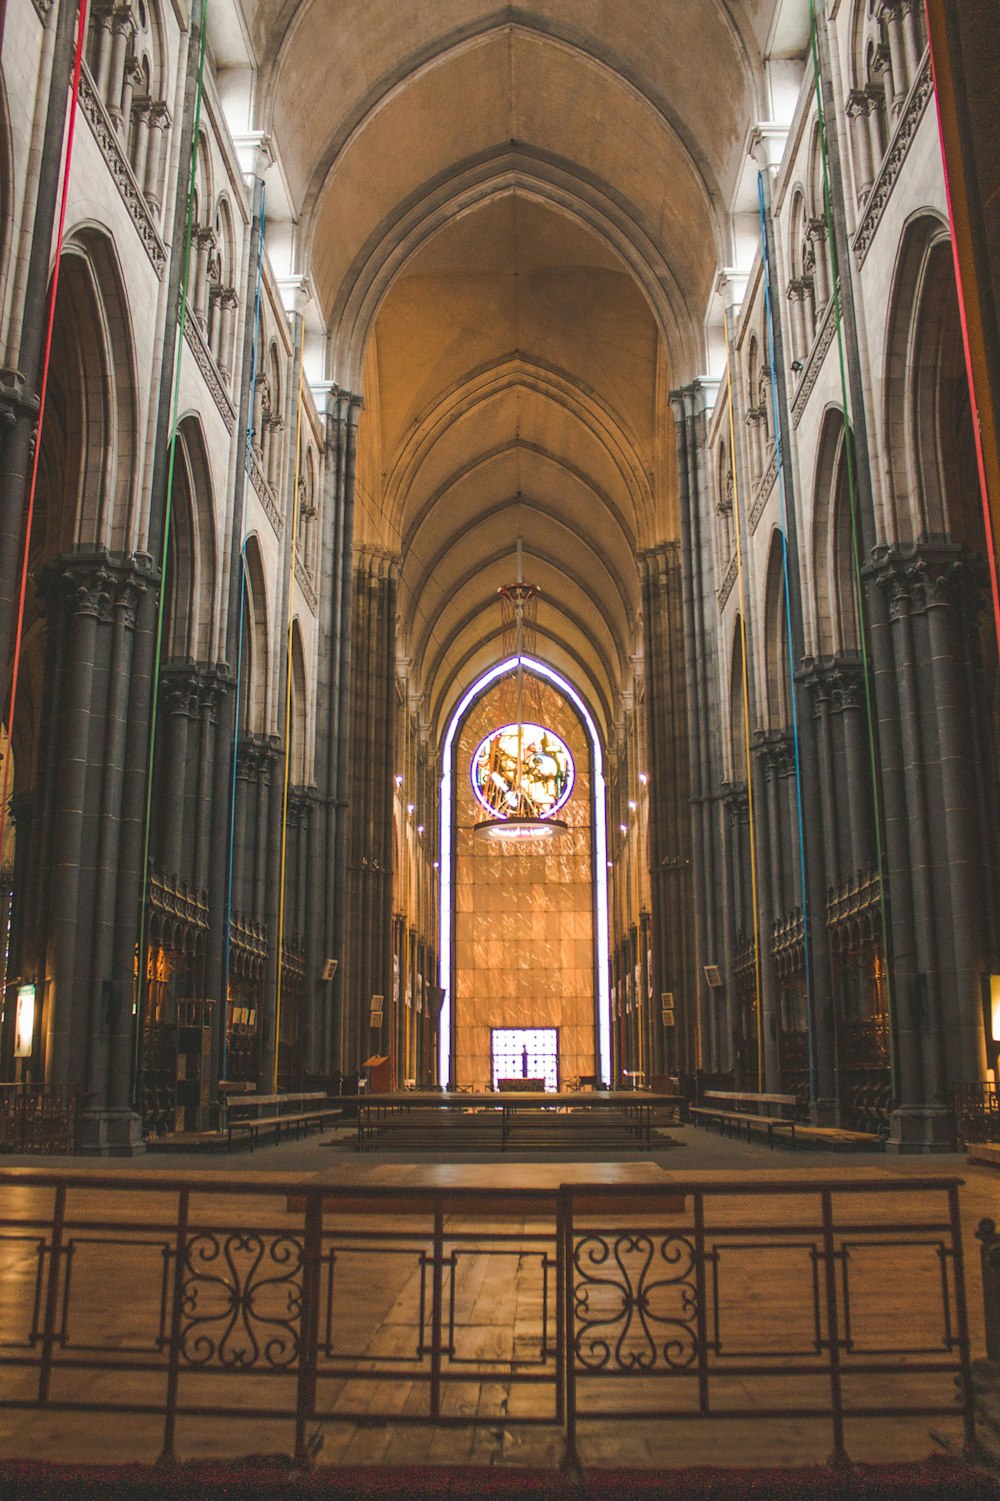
859,104
17,399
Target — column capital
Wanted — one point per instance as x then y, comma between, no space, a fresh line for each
859,104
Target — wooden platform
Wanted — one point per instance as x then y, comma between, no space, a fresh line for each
594,1121
835,1139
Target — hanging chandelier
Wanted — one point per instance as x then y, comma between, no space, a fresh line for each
522,772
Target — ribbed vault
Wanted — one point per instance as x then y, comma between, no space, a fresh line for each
511,217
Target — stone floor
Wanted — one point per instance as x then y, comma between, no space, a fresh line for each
498,1306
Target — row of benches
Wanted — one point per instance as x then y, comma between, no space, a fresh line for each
741,1110
242,1117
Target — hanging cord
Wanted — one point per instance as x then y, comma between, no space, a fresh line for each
852,490
796,739
81,35
288,728
168,510
239,522
746,728
984,489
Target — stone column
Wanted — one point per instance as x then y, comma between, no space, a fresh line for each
891,13
921,1123
204,244
800,330
859,109
261,409
275,427
133,75
914,39
159,124
178,708
140,137
102,49
81,598
948,592
122,29
228,303
821,265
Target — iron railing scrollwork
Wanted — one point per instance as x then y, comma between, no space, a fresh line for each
253,1301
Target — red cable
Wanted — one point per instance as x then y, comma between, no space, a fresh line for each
71,130
984,492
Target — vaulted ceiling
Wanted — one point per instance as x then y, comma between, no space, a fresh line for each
512,217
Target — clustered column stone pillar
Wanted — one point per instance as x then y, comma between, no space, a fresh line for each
860,112
159,124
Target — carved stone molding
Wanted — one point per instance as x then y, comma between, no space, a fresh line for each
121,170
928,577
44,9
95,583
892,163
305,583
727,583
265,494
814,364
207,366
764,489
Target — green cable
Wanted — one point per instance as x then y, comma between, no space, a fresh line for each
855,532
167,517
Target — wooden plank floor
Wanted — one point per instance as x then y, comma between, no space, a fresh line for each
497,1313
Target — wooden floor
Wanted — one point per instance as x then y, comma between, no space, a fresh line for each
497,1304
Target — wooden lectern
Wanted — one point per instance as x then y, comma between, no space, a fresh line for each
379,1081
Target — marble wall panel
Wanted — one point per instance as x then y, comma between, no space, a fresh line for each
524,919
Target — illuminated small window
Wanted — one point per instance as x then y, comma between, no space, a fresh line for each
522,771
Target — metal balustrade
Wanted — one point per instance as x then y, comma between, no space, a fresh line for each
240,1301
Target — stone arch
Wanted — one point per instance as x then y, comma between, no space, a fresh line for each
255,655
778,675
473,185
837,626
928,413
89,446
189,583
308,545
298,739
737,707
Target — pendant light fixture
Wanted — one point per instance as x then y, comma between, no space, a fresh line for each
522,773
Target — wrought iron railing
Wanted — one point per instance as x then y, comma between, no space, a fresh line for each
41,1119
975,1112
209,1297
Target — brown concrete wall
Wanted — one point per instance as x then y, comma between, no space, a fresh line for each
524,919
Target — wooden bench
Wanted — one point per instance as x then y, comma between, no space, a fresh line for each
739,1109
317,1111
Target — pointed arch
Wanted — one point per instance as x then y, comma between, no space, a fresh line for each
835,591
737,730
928,413
255,667
298,739
190,580
89,443
778,671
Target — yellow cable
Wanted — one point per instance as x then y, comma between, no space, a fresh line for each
746,727
288,727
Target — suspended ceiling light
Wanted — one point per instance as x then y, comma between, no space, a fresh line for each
521,773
